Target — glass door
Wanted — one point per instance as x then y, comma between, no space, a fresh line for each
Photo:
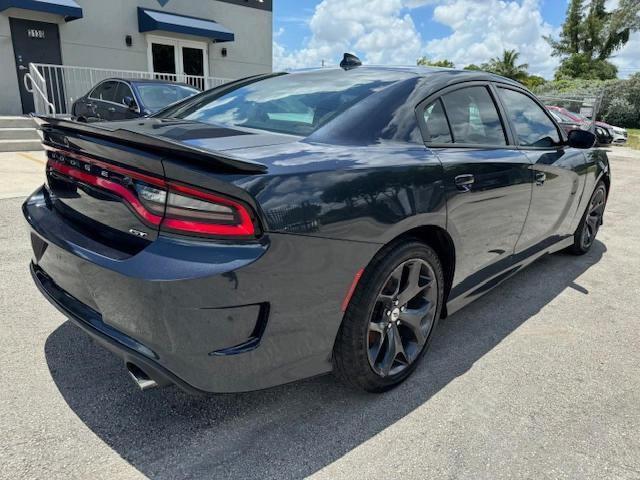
163,59
194,63
179,60
193,66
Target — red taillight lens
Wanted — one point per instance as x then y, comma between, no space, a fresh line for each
190,210
171,206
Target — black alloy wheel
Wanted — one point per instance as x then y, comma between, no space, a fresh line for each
590,224
402,318
390,319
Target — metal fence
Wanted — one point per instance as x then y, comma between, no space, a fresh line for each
585,105
56,87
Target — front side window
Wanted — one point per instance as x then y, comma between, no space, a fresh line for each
105,91
123,92
437,128
474,117
533,126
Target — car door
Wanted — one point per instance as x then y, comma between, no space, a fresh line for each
488,181
104,100
121,110
88,108
558,169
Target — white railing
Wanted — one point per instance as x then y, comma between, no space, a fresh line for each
56,87
35,84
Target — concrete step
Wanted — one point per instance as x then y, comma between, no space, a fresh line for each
20,145
17,122
18,134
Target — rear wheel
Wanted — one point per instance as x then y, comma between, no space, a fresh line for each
585,235
389,321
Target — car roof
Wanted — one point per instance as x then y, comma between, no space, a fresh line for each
438,77
136,81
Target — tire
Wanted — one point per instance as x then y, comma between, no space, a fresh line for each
366,339
585,235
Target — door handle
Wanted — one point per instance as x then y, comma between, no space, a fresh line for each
464,182
112,109
22,67
541,177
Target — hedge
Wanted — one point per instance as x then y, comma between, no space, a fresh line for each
620,102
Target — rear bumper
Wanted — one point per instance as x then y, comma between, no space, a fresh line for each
91,323
206,316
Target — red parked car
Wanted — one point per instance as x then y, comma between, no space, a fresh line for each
618,134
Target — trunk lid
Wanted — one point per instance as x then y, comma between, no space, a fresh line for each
102,178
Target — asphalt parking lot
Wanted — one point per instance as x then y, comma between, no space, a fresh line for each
538,379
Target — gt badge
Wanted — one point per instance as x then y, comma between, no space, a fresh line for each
138,233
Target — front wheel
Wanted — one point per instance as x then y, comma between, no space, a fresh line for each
388,324
585,235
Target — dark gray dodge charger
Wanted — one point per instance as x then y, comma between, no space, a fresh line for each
287,225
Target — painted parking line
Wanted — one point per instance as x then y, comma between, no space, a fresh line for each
33,158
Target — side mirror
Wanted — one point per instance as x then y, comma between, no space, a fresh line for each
131,104
581,139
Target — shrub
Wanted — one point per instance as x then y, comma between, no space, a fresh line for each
620,98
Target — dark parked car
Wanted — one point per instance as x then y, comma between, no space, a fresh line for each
121,99
287,225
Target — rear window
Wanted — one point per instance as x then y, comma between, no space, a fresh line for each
292,104
155,96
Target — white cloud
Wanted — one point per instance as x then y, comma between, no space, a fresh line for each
383,32
628,59
483,29
379,31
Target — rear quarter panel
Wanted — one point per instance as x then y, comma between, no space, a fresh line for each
365,194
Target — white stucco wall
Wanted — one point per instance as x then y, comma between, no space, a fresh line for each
98,40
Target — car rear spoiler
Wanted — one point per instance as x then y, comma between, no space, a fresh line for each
153,143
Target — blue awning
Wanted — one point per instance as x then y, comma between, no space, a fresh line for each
150,20
69,9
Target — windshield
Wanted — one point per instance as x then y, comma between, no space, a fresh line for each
296,104
155,96
562,117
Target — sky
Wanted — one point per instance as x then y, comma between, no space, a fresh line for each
397,32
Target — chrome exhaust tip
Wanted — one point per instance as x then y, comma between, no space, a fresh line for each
143,380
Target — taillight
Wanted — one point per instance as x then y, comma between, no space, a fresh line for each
171,206
190,210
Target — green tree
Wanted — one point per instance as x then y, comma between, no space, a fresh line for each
507,66
533,81
425,62
591,35
476,68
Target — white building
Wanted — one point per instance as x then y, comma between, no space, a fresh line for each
187,40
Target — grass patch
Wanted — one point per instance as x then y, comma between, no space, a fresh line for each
634,138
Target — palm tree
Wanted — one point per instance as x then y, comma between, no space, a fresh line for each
507,66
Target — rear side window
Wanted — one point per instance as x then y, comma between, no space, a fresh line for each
437,128
474,117
533,126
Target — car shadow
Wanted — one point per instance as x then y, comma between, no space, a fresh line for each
294,430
